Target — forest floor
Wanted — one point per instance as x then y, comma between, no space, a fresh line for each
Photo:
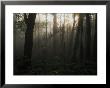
55,66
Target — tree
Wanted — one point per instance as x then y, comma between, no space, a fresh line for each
29,21
54,32
95,38
81,47
88,32
38,31
70,49
46,29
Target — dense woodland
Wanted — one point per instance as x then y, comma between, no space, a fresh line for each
55,43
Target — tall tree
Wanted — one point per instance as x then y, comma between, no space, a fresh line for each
29,21
70,50
62,37
54,32
95,38
88,32
46,28
63,43
81,60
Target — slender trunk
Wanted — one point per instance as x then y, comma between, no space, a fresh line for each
70,50
54,33
60,33
81,60
88,31
60,29
95,38
38,32
63,39
46,29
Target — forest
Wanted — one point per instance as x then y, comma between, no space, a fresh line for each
55,43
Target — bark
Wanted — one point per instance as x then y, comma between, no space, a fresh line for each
81,59
88,32
46,29
54,33
95,38
63,39
30,21
38,32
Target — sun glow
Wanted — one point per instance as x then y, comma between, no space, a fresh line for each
76,17
62,19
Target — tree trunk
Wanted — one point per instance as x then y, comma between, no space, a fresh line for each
30,21
81,59
38,39
88,32
46,29
63,39
70,50
54,33
95,38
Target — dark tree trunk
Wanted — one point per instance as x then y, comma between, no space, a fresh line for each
46,29
81,59
63,39
88,32
38,38
54,33
30,21
95,38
